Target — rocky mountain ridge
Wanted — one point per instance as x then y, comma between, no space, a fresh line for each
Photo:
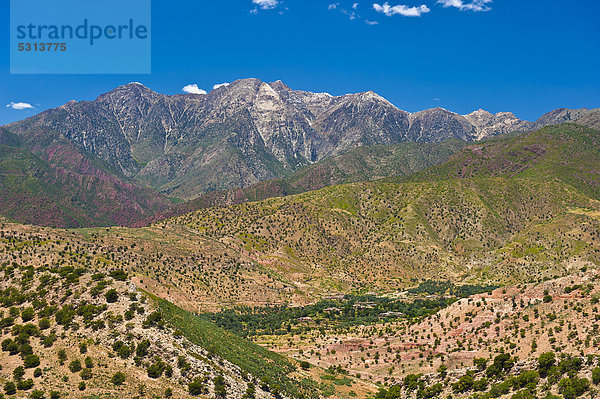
248,131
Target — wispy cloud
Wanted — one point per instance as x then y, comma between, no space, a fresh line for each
20,106
220,85
401,9
369,22
350,13
266,4
193,89
475,5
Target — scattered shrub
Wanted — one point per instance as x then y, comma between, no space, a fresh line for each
304,365
196,387
62,356
31,361
523,394
111,296
220,386
37,394
118,378
464,384
156,369
44,323
18,373
545,363
480,385
142,348
10,388
596,375
502,363
75,366
411,382
118,275
25,385
153,319
27,314
86,374
572,388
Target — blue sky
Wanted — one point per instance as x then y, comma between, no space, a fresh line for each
523,56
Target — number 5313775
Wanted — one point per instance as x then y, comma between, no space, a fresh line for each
42,47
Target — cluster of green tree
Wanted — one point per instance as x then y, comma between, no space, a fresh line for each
351,310
437,287
497,379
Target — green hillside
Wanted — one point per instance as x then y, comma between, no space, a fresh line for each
272,369
68,328
64,187
373,236
367,235
515,209
360,164
568,152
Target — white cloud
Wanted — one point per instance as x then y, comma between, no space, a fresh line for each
266,4
20,106
220,85
193,89
369,22
351,14
403,10
475,5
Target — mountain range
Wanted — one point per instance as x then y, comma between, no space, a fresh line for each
131,149
390,267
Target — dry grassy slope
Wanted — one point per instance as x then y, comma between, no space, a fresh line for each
358,237
510,210
399,346
369,236
509,319
176,263
376,235
56,375
42,268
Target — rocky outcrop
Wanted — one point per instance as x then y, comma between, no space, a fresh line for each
561,115
590,119
487,124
